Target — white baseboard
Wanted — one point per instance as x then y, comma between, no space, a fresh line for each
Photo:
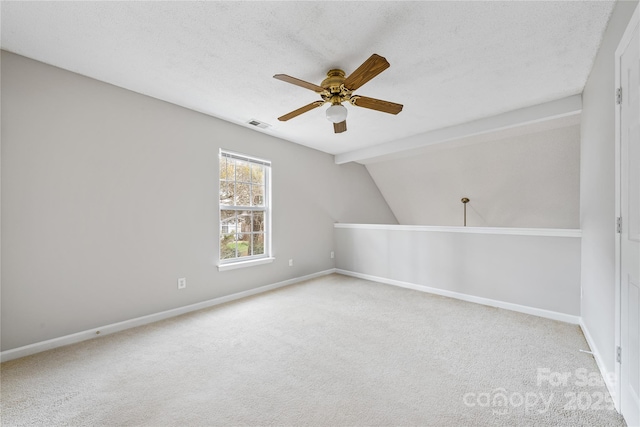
568,318
38,347
609,380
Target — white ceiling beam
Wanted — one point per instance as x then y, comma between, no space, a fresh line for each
525,116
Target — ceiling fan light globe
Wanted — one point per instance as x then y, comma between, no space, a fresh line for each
337,113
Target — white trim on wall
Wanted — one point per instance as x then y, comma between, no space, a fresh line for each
469,298
543,232
610,378
144,320
519,268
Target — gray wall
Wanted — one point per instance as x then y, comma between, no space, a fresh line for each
511,268
531,180
597,195
109,196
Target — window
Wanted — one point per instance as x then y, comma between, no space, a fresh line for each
244,209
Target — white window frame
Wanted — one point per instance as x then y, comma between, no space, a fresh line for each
247,261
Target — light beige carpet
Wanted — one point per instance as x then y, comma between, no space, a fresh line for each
333,351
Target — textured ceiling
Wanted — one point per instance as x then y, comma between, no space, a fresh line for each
451,62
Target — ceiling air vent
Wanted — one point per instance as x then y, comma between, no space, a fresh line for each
258,124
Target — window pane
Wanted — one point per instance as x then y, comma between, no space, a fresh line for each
244,243
229,169
223,168
243,194
258,244
257,174
226,193
258,222
227,234
257,196
243,171
227,217
228,223
227,247
244,222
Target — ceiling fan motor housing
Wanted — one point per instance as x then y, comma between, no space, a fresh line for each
335,92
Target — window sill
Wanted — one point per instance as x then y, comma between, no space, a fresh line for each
243,264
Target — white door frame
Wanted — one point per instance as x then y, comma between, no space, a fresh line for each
624,41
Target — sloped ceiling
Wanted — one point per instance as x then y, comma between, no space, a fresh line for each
451,62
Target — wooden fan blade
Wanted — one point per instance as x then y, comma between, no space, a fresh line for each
376,104
298,82
368,70
340,127
300,110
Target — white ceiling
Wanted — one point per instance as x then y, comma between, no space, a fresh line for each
451,62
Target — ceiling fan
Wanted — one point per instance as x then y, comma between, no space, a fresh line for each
337,89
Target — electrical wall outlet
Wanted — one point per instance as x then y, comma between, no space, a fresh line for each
291,263
182,283
332,255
